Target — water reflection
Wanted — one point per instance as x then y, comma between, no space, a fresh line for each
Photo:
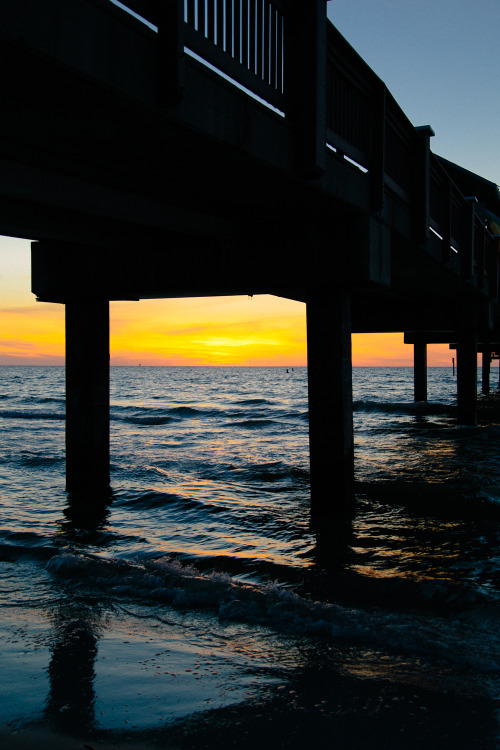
76,624
334,542
87,511
85,518
70,704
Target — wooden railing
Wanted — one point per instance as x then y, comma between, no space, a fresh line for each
243,38
252,42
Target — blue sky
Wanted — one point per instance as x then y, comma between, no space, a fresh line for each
439,59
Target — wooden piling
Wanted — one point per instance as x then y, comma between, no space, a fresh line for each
485,371
330,405
420,371
467,377
87,394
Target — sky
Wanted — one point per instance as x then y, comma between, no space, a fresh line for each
438,59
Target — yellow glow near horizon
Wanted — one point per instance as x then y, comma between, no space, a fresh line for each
261,330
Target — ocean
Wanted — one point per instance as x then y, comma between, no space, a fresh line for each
195,607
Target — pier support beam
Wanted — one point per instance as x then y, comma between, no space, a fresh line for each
485,371
330,405
87,394
420,371
467,377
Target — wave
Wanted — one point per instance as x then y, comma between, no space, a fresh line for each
190,411
167,582
157,416
38,460
453,499
152,420
251,402
13,552
26,546
29,414
273,472
411,407
151,499
148,416
252,424
42,399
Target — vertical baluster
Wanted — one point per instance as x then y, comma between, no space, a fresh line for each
259,37
211,20
280,53
190,13
244,33
202,17
229,27
272,46
237,30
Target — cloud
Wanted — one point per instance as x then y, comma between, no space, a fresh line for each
39,310
21,344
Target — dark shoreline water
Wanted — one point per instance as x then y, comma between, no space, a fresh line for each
197,608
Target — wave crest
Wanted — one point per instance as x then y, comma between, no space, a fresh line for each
182,586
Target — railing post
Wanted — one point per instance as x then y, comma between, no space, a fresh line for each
493,251
170,20
377,160
446,244
423,217
305,84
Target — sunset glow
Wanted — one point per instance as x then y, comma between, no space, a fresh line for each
260,330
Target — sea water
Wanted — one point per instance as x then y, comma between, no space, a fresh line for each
195,605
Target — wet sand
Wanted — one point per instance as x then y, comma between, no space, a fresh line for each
26,739
328,709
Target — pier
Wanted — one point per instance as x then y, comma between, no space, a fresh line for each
235,147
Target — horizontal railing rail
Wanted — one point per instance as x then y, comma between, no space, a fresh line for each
147,9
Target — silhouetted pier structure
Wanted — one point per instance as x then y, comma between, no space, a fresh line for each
142,172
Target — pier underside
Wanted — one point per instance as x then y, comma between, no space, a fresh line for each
142,172
86,277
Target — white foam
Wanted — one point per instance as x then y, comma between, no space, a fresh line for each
283,610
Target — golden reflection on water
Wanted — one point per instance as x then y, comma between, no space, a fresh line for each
418,549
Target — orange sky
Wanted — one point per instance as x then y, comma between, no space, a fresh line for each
261,330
